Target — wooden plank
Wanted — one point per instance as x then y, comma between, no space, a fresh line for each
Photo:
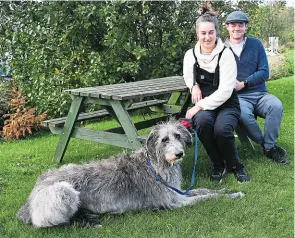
109,90
57,122
135,88
142,124
170,109
124,85
135,92
174,98
82,117
98,136
113,136
149,93
68,128
127,87
126,122
187,101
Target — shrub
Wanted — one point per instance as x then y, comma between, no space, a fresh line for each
281,65
5,86
20,121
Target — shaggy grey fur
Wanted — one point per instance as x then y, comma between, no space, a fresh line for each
116,185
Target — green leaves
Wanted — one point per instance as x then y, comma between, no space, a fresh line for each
58,45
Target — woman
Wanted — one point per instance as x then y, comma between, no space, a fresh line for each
210,72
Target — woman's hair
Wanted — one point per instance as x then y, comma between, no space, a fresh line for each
207,15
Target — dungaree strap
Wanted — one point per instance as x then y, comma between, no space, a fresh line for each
196,65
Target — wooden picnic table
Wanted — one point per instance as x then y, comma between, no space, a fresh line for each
118,100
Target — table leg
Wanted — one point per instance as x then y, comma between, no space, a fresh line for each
126,123
68,128
174,98
185,105
176,106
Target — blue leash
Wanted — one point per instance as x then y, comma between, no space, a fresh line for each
159,178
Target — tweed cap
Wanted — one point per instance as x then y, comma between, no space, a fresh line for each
237,16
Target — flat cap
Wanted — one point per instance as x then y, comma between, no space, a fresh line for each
237,16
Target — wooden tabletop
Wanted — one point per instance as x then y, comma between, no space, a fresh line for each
131,90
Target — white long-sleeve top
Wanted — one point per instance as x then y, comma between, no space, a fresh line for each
227,74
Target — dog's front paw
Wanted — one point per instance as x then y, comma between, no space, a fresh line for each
200,191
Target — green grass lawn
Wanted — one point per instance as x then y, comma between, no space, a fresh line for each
266,211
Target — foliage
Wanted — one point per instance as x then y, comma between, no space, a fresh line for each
281,65
21,121
268,19
5,86
289,55
57,45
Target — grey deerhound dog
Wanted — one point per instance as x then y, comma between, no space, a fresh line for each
116,185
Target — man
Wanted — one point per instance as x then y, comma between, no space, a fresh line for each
253,71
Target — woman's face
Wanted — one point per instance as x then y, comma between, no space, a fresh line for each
207,36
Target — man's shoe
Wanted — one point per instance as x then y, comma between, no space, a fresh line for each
241,174
217,174
277,154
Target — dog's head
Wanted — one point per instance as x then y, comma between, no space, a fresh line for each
167,141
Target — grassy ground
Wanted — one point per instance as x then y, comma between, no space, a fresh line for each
266,211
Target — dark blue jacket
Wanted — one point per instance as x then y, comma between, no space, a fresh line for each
253,66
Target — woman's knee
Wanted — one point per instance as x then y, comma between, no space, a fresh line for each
224,131
203,120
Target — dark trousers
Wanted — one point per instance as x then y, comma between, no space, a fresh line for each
215,130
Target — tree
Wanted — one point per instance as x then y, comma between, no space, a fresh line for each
59,45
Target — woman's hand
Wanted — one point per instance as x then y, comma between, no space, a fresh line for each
196,93
239,85
193,111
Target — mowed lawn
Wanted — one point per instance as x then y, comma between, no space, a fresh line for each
266,211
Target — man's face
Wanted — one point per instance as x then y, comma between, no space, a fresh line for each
236,30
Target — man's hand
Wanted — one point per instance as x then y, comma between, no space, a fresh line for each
196,94
239,85
193,111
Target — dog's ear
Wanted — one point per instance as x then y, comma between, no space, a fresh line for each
186,135
151,140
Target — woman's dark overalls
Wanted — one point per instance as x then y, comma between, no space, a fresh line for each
215,127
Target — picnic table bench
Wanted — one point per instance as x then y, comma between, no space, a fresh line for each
117,101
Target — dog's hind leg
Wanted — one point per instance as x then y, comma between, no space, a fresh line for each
54,205
88,218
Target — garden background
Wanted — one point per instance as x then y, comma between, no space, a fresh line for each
52,46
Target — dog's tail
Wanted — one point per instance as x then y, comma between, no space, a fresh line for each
52,205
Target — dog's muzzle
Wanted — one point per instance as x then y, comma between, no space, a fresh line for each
174,159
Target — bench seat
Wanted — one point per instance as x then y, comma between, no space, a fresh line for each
59,122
